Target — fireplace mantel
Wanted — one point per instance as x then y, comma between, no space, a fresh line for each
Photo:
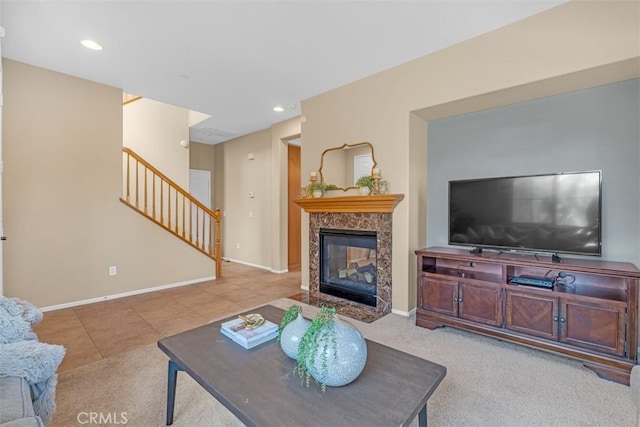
381,203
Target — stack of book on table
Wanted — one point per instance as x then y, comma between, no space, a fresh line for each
249,337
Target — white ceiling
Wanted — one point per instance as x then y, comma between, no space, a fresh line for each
236,60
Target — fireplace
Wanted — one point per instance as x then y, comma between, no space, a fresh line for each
348,264
367,217
372,226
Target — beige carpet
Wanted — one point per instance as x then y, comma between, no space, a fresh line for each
488,383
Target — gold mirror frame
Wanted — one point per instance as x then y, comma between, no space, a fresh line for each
342,147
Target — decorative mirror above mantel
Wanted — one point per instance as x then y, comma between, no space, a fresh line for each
340,167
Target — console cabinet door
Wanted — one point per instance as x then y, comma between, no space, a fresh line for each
480,303
599,327
532,314
439,295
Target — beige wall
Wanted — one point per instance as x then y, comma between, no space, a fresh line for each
569,38
154,130
247,221
218,181
62,143
262,237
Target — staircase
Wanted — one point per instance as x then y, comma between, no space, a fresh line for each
128,98
150,193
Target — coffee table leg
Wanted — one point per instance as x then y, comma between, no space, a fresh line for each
171,389
422,417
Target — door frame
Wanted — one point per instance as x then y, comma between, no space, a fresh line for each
1,170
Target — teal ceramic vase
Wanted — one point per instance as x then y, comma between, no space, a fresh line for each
344,361
291,335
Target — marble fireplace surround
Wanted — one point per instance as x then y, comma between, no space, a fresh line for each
361,213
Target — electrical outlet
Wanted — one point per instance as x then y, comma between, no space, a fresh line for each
113,270
238,245
250,214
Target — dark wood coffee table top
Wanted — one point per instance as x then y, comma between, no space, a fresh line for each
258,386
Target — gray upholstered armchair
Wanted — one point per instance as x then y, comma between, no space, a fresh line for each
27,367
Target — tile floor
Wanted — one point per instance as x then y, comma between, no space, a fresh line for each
96,331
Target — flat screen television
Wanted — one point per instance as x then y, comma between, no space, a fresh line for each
553,213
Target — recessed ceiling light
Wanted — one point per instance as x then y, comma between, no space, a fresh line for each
90,44
278,109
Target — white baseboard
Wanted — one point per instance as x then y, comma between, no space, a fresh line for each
126,294
256,265
404,313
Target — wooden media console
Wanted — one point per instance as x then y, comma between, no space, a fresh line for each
589,314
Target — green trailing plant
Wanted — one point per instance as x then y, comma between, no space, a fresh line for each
331,187
289,316
365,181
318,337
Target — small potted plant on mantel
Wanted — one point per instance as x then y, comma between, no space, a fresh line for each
365,185
316,189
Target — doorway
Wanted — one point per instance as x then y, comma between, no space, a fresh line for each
294,227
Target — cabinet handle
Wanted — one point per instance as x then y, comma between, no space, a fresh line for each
562,320
456,299
555,318
459,299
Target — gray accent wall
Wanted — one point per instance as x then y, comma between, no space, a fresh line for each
591,129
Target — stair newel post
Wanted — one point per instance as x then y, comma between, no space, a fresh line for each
218,253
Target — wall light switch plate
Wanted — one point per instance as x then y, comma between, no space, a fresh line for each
113,270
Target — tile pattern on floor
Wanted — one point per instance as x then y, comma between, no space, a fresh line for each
96,331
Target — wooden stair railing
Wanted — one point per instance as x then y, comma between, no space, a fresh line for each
128,98
152,194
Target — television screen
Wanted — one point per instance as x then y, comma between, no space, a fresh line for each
556,213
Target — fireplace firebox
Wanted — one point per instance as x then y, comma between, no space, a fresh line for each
348,265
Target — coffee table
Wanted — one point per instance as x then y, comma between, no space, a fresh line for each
258,386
